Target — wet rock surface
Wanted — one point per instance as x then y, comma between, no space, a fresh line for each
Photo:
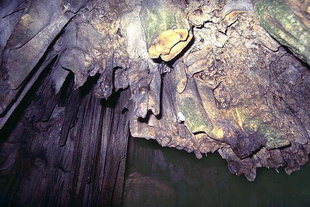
233,89
207,182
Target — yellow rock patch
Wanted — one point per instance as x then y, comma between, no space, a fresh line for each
169,44
26,20
218,133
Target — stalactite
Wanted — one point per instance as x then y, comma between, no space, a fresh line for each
199,76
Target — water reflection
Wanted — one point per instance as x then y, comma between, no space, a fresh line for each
159,176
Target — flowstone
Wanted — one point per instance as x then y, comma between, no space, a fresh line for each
203,76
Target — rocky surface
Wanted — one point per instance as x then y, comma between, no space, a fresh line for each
206,181
233,89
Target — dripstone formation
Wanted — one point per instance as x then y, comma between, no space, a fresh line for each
77,77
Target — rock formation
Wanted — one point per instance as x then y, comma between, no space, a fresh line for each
77,77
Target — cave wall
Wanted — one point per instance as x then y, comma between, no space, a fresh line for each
76,76
67,149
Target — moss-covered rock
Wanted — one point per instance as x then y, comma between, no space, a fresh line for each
284,25
166,29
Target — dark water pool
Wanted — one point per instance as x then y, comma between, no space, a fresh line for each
159,176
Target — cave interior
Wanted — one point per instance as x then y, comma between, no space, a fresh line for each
155,103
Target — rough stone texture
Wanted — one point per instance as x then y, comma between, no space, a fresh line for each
65,149
233,97
206,182
234,90
288,21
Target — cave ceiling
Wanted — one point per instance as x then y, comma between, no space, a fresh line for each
204,76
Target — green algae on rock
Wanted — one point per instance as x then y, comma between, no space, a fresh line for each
190,105
166,29
255,125
285,26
